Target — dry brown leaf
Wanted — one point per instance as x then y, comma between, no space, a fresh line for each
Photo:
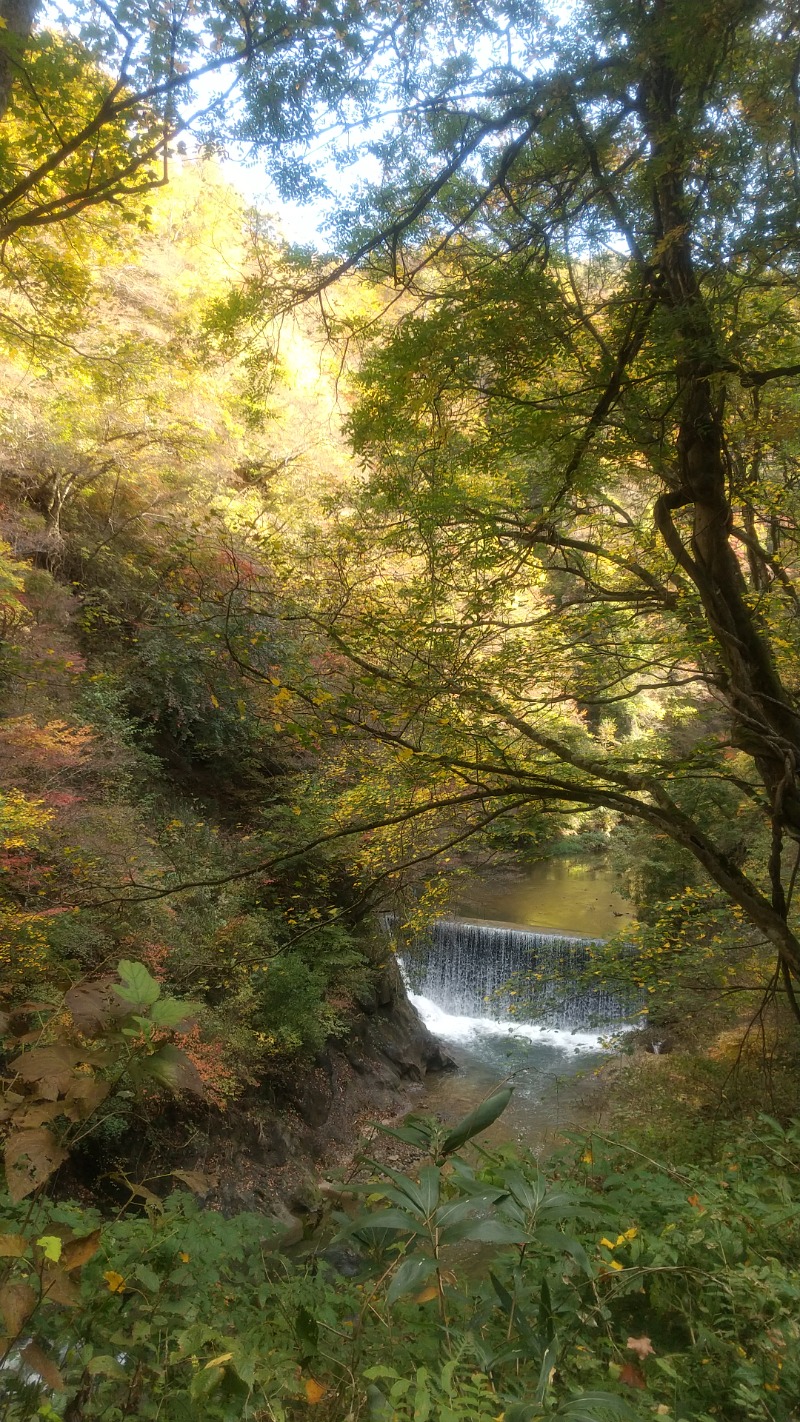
78,1251
12,1246
45,1061
41,1364
36,1113
197,1180
31,1157
91,1003
58,1287
87,1093
632,1376
642,1347
17,1302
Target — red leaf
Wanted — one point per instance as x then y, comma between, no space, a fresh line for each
631,1376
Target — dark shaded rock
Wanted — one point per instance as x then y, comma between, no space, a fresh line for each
264,1148
344,1260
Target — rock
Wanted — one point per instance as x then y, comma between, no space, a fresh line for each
344,1260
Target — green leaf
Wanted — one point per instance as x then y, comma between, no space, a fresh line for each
592,1406
387,1219
410,1276
138,987
104,1366
554,1239
429,1183
477,1121
168,1012
379,1409
492,1231
148,1277
410,1134
171,1067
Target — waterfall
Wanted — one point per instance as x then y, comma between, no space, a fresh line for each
494,973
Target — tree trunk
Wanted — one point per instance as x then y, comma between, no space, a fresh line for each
17,18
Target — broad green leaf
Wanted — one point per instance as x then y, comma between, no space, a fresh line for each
429,1183
387,1219
137,987
171,1067
554,1239
410,1277
104,1366
595,1407
477,1121
492,1231
168,1011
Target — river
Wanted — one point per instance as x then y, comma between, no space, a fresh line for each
551,1054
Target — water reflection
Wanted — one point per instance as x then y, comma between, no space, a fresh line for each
569,896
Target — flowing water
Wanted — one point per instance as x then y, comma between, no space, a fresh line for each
500,983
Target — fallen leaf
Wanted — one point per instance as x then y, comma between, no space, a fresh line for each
314,1391
642,1347
41,1364
631,1376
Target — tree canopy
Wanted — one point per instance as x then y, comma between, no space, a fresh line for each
578,423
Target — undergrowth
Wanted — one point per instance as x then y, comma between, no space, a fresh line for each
478,1289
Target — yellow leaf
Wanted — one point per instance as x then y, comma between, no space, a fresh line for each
425,1295
218,1362
607,1242
615,1264
215,703
314,1391
631,1233
185,1257
115,1281
51,1246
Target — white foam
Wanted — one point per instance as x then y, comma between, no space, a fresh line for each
470,1029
